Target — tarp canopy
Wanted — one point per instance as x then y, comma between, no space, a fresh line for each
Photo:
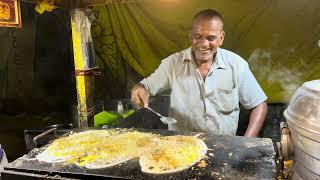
277,38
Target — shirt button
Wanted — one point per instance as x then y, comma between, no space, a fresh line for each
206,100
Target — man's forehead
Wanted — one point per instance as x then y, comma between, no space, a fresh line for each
207,23
201,20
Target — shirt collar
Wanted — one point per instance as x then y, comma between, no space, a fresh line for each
219,63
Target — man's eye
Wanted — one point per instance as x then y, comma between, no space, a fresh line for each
211,38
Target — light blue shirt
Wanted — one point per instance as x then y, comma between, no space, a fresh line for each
210,106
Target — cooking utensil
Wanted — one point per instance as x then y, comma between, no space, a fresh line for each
165,120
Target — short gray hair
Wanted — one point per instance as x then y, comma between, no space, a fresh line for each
207,14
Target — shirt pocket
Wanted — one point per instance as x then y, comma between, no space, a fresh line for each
226,100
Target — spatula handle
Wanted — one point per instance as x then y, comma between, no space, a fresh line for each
154,112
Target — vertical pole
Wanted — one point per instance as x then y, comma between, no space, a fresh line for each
85,66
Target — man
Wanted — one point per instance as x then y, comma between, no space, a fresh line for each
207,83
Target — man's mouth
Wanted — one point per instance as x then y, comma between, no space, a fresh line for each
204,51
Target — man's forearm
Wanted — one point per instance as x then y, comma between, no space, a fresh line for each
257,117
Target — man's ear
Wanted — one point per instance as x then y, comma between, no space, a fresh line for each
221,37
190,37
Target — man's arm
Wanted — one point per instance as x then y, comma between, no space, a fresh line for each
157,82
257,117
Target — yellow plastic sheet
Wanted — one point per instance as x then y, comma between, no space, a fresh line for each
45,5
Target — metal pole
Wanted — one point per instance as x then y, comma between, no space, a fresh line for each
84,62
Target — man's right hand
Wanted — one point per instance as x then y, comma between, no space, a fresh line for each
139,96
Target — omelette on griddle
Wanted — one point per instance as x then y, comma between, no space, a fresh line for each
96,149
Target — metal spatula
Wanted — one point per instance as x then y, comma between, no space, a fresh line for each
165,120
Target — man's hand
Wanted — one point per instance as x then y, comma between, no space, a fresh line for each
139,96
258,114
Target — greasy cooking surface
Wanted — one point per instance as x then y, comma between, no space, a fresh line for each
228,157
96,149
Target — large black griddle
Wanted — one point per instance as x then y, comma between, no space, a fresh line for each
229,157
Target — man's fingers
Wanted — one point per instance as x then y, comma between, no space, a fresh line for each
144,96
139,96
136,100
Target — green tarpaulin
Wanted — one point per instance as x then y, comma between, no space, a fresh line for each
279,39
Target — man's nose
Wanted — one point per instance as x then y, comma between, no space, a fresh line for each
203,42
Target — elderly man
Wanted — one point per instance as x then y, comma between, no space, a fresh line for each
207,83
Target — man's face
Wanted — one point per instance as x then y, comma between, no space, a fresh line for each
206,37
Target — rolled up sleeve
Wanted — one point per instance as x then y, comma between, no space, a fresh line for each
250,92
159,81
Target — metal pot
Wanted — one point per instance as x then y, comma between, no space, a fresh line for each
303,118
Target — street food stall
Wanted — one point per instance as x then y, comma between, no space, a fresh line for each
226,157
